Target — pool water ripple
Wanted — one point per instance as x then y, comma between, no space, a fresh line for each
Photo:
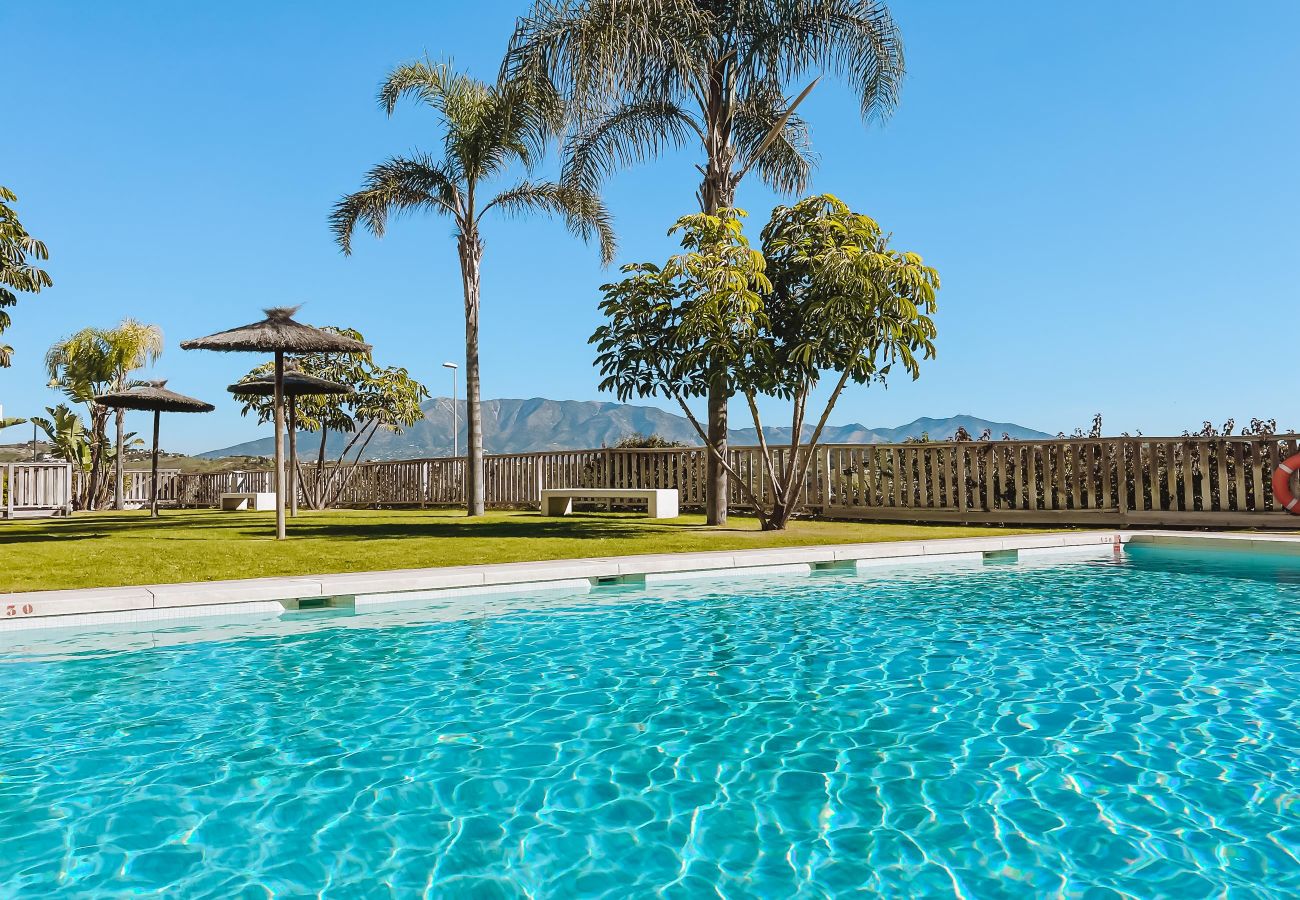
1091,728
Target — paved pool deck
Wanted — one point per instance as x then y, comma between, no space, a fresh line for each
369,590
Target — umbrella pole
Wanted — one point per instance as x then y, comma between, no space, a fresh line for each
293,456
279,445
153,474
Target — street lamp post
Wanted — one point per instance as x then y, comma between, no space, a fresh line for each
455,411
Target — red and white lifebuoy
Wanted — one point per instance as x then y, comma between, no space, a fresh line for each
1282,485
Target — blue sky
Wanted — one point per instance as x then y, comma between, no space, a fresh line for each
1108,190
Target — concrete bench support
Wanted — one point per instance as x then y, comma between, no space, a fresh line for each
660,503
251,500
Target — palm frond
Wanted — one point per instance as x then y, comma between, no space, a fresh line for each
509,122
398,185
785,162
583,212
857,40
432,83
595,50
631,134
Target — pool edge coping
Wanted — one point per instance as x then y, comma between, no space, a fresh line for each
150,603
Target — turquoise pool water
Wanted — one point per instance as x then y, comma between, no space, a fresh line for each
1066,727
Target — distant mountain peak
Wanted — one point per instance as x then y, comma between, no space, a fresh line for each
536,423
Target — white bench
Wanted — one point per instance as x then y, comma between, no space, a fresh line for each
250,500
660,503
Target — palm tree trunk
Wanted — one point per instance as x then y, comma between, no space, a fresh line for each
99,461
718,192
471,256
119,501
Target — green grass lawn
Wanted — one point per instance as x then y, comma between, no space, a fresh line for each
111,549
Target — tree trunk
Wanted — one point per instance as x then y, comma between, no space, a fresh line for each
471,255
718,191
777,519
153,469
293,456
98,438
279,445
716,488
119,499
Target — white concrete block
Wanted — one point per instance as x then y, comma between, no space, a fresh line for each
37,604
408,598
549,570
673,562
726,576
882,550
779,556
351,584
963,545
240,591
143,616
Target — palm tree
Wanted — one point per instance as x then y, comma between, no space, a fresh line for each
487,129
98,361
641,76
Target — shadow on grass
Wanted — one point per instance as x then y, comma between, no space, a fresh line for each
337,526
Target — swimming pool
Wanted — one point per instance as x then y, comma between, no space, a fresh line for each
1093,725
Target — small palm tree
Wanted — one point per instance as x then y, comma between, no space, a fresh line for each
641,76
487,130
95,361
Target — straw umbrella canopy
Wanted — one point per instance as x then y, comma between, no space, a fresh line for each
153,396
296,384
279,334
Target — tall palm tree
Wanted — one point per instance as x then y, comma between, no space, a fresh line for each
97,361
487,130
641,76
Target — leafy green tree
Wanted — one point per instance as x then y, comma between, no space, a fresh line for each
643,76
95,361
487,129
826,297
383,398
17,273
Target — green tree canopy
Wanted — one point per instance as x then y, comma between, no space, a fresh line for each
383,398
827,296
17,273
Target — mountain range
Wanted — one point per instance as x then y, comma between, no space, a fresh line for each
521,426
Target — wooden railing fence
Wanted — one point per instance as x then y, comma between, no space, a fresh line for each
137,485
28,488
1207,481
1169,481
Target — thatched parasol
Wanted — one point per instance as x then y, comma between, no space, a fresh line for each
153,396
296,384
278,333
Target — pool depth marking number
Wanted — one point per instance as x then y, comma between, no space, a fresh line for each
14,609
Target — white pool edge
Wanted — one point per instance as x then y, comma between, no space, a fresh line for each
377,590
